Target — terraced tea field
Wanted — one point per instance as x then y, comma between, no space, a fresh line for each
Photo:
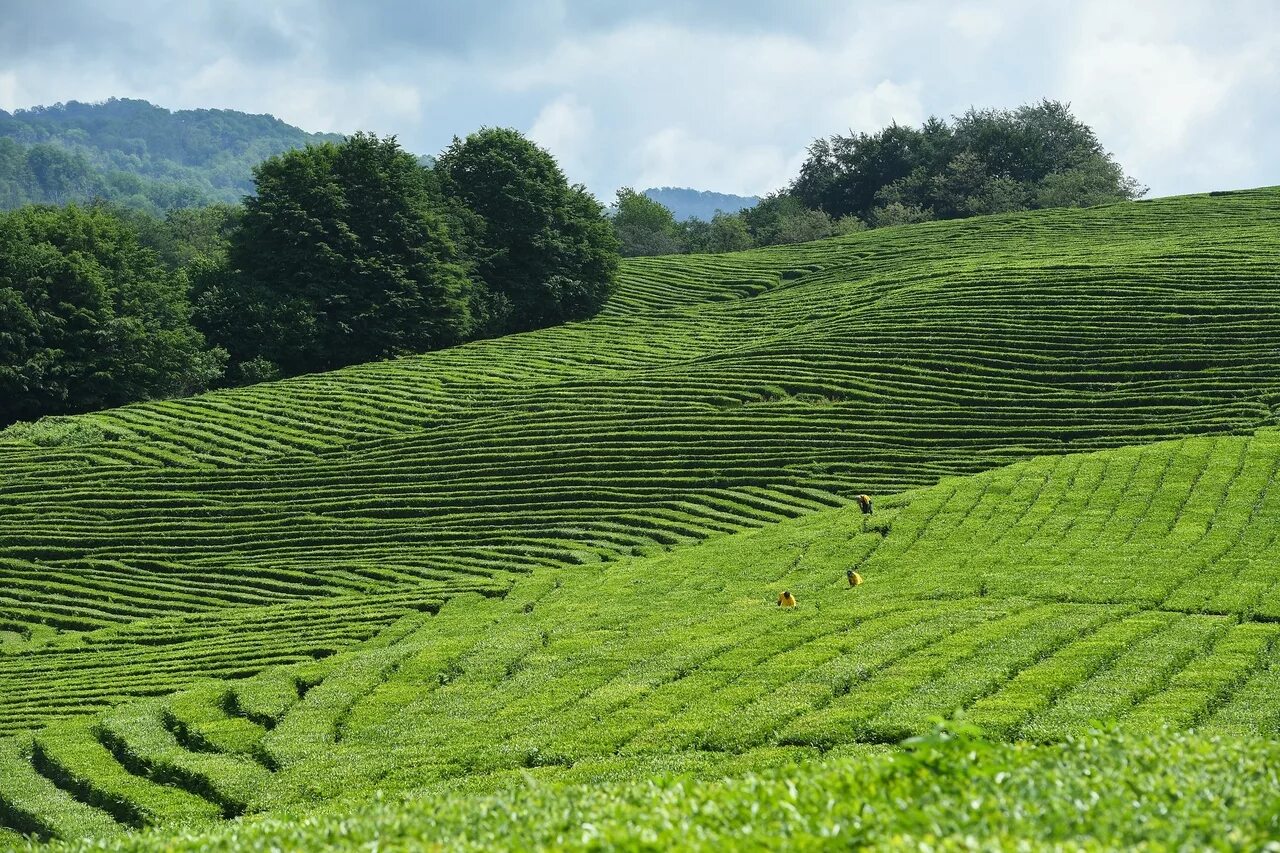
1040,598
257,599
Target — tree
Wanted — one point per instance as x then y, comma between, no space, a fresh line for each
843,175
695,236
89,318
343,256
728,233
184,235
1096,182
643,226
897,213
544,249
985,161
781,218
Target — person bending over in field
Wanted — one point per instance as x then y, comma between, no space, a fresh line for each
786,599
864,503
855,579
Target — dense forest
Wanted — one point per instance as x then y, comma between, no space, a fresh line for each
345,252
985,161
336,252
136,154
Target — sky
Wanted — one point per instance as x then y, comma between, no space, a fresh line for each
723,95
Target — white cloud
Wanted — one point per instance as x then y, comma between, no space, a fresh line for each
978,23
674,157
726,96
873,108
10,94
1182,108
566,129
722,110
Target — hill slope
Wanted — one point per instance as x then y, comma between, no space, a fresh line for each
392,577
1040,598
687,203
136,153
219,535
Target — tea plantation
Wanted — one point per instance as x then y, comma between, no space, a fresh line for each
498,577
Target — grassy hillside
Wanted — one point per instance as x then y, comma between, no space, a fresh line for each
683,663
287,520
136,153
276,554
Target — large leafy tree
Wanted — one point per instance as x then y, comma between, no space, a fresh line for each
89,318
344,255
985,161
544,248
643,226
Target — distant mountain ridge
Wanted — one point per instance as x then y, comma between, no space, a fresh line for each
150,158
688,203
136,153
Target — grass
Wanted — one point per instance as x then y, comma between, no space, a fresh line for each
686,654
556,555
1101,792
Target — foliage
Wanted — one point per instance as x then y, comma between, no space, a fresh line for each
1102,791
54,431
187,236
780,219
388,578
985,161
91,318
342,256
897,213
135,154
644,226
544,249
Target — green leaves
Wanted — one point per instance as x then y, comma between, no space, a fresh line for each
343,256
985,161
91,319
533,232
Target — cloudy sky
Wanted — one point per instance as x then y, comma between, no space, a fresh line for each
721,95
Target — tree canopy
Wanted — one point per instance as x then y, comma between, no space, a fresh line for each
89,318
342,256
136,154
644,226
985,161
544,250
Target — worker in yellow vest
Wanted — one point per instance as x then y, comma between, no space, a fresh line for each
864,504
855,579
786,599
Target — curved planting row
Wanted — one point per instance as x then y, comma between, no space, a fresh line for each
687,653
715,394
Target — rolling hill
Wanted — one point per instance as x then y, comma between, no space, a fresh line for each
510,557
137,154
1133,586
687,203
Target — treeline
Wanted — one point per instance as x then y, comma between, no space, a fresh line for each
985,161
347,252
136,154
48,173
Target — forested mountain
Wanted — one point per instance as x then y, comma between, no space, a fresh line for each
686,203
137,154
